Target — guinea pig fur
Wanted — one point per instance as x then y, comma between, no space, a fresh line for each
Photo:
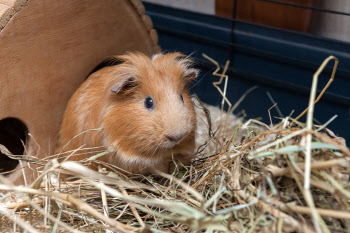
142,109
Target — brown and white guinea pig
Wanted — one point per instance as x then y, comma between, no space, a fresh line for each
142,108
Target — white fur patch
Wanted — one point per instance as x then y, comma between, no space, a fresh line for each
155,56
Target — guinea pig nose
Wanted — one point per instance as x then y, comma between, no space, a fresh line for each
175,138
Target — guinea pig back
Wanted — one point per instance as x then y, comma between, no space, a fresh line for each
137,107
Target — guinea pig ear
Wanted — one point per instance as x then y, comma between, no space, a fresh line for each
124,86
189,75
187,64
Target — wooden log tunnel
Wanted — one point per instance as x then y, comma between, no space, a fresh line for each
47,49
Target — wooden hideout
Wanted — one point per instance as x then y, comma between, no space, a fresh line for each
47,49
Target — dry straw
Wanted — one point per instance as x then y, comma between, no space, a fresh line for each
245,177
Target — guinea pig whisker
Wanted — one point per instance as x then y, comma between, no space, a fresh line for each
136,135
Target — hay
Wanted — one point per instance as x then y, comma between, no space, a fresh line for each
245,177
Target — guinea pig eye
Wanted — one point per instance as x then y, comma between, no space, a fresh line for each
149,103
182,98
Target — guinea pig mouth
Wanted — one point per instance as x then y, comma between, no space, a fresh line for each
173,140
170,145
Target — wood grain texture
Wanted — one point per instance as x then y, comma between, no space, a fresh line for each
224,8
148,22
49,47
140,9
6,12
268,13
8,8
15,4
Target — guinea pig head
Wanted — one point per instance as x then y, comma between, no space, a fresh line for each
149,112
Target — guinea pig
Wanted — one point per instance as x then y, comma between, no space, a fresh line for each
137,107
